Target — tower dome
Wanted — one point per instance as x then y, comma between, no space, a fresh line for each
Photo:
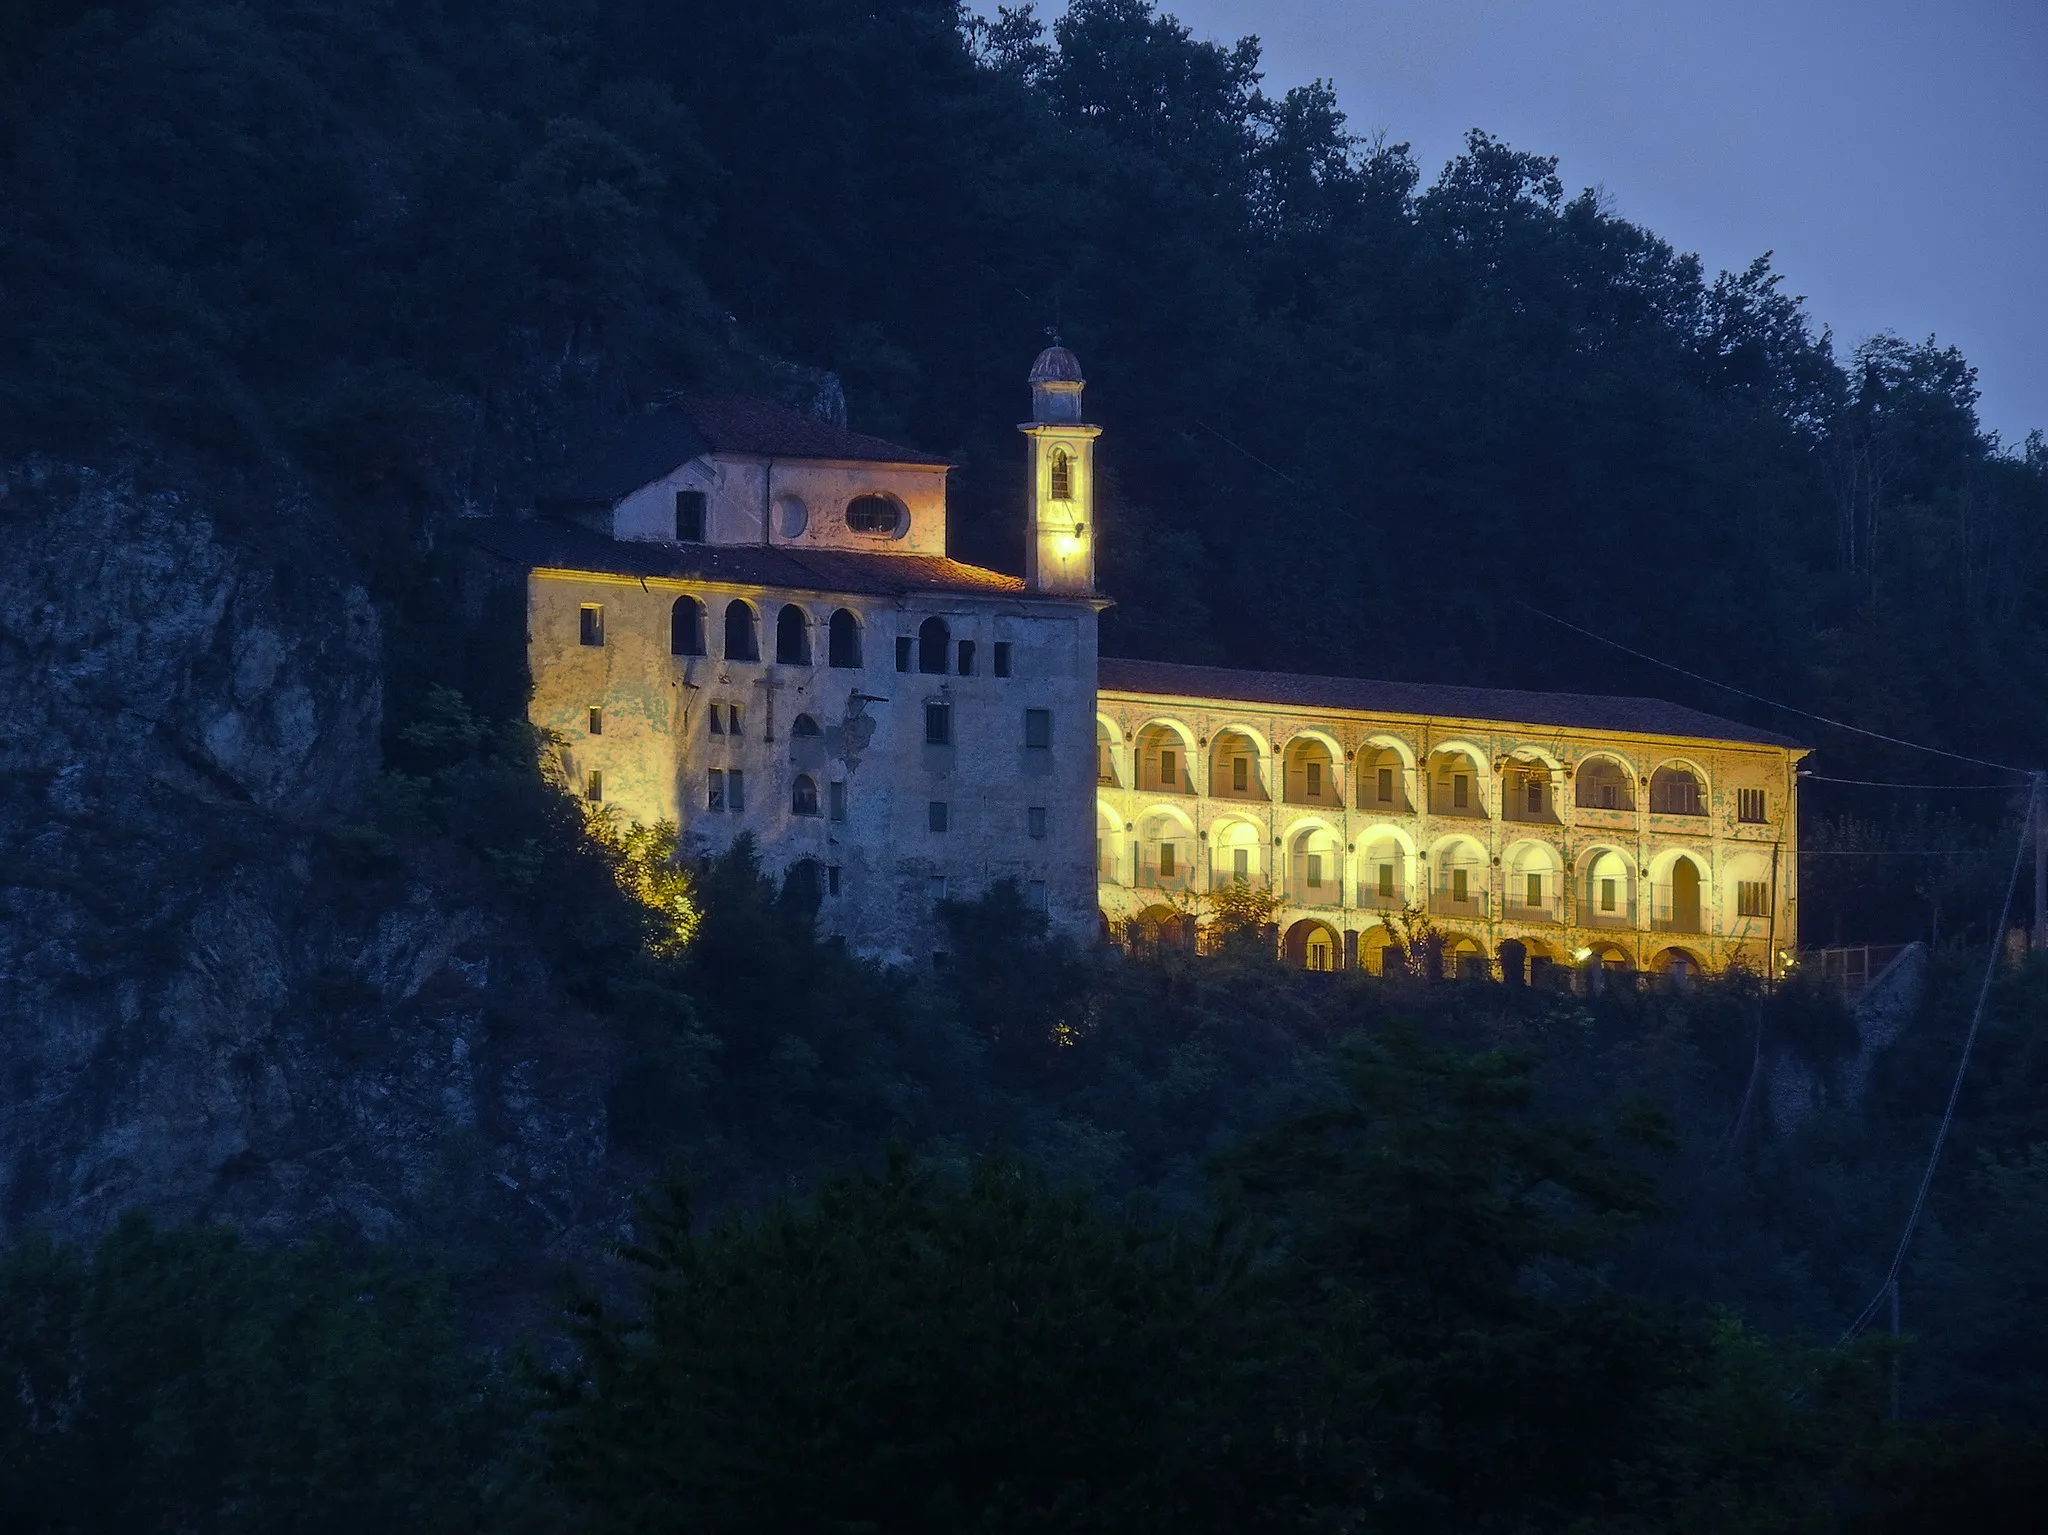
1056,385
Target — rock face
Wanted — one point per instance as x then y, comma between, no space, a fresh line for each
205,1011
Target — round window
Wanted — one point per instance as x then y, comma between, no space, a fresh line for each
873,514
791,516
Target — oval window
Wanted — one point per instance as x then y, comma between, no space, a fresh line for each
872,514
791,516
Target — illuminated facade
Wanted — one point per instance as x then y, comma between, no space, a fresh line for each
742,619
1624,831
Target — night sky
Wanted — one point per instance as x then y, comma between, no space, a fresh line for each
1894,153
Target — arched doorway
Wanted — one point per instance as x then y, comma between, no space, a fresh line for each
1685,896
1314,946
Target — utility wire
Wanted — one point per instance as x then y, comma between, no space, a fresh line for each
1875,735
1891,1278
1890,852
1871,783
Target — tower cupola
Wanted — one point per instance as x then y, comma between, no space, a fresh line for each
1059,544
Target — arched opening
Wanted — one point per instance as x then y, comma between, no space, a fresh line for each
803,725
1162,761
1314,945
804,884
1379,954
1678,967
742,633
1105,755
1382,779
1062,475
686,627
792,636
1457,886
934,646
1513,954
1166,852
803,795
1109,829
873,514
1529,793
1606,894
1236,767
1315,868
842,639
1456,787
1677,899
1535,883
1163,927
1311,773
1677,790
1383,873
1602,783
1465,959
1234,849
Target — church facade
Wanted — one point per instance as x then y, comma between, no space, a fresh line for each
743,619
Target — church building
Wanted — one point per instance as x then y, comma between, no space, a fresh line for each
741,618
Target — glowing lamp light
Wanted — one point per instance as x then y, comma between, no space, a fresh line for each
1066,545
1582,955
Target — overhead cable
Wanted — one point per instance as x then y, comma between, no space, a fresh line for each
1726,687
1871,783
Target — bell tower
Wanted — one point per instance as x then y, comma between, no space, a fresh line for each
1059,543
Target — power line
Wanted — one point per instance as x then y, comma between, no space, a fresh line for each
1955,1091
1891,852
1871,783
1726,687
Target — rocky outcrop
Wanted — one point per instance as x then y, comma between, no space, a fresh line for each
209,1008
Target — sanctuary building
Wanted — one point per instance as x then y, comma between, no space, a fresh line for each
740,618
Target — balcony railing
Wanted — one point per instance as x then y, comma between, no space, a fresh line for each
1448,903
1549,909
1677,912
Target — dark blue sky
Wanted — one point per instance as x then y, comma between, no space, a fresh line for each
1894,153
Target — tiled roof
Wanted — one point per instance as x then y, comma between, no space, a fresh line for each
657,441
1576,711
546,545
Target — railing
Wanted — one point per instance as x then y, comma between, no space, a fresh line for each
1622,918
1447,903
1851,970
1676,916
1442,802
1550,909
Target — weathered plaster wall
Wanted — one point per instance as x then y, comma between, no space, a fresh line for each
657,749
738,488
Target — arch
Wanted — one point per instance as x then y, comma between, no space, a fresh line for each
1379,953
742,631
803,795
1238,756
1457,877
1166,845
1677,966
1163,753
1060,474
1604,781
1607,886
1513,954
1386,867
1458,774
1164,927
842,639
804,725
934,646
1465,958
1529,789
1385,773
1534,881
792,636
1109,836
1678,788
804,883
1237,851
1315,863
1314,945
1678,892
1108,747
1310,769
686,627
875,514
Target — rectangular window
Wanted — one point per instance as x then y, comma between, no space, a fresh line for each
1386,786
1386,881
596,725
1313,772
1038,727
735,717
1609,796
1749,804
715,799
935,888
1034,820
1034,895
689,516
735,789
1166,861
1241,863
938,724
718,719
1461,791
835,799
592,632
1315,871
832,880
593,786
935,815
1240,774
1610,892
1169,767
1535,890
1002,666
1752,897
967,658
903,646
1534,789
1460,891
